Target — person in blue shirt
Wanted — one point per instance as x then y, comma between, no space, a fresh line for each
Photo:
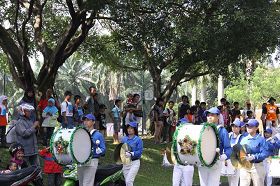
256,152
234,137
211,176
86,172
272,143
243,130
116,114
136,144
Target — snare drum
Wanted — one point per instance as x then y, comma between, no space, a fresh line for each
71,146
195,144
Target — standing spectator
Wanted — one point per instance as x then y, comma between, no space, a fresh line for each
29,98
247,108
67,111
78,111
51,168
26,134
3,119
183,107
271,113
201,116
116,116
89,103
225,111
158,119
50,115
96,110
249,115
235,112
138,107
101,118
170,120
130,117
43,103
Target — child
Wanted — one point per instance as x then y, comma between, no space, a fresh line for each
116,116
10,168
67,111
51,168
272,151
101,117
86,172
183,173
235,137
211,176
256,152
129,99
136,144
50,115
78,111
17,152
3,119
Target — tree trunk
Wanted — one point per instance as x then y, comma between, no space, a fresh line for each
203,90
194,91
220,88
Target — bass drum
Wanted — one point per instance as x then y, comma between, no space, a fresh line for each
70,146
195,144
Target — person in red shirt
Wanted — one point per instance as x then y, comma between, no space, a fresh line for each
51,168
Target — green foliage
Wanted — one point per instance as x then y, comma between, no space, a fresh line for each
265,83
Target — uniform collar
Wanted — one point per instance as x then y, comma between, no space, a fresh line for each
92,131
252,137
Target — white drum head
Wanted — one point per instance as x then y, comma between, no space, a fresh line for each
208,147
81,145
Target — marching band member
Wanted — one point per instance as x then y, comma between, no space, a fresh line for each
211,176
183,173
256,152
136,144
235,137
272,148
86,172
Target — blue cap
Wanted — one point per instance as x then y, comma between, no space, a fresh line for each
236,122
51,100
133,124
242,124
213,110
184,120
89,116
253,123
268,130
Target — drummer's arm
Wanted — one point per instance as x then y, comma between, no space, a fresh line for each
102,144
226,144
264,151
139,148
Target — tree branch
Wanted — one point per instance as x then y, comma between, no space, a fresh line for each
192,76
16,24
71,8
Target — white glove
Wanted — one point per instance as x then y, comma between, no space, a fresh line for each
223,157
128,154
273,140
250,157
98,150
97,142
218,150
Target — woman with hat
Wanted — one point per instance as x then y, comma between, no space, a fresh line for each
26,134
256,151
136,144
17,152
211,176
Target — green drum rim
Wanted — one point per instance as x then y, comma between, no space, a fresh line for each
71,146
214,127
174,145
51,146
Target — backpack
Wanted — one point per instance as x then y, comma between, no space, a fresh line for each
11,133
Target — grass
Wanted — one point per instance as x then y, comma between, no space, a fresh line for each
151,172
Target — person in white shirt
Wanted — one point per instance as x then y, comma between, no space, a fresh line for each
67,111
